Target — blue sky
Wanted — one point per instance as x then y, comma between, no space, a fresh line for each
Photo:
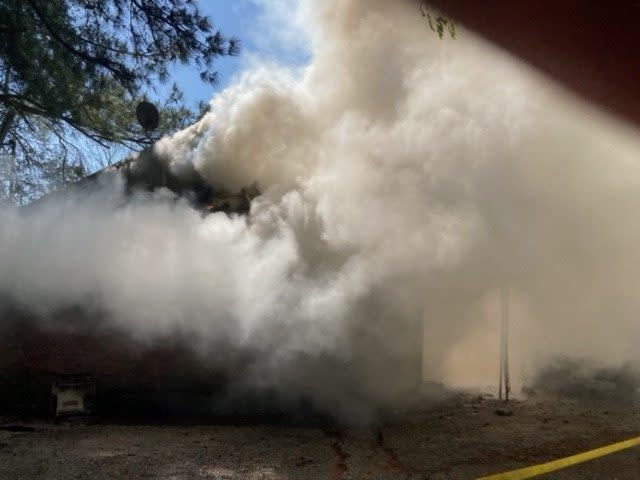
257,23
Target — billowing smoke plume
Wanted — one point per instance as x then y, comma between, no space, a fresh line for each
404,180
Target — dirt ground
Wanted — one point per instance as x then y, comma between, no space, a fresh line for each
460,437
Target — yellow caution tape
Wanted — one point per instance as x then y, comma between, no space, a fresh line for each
543,468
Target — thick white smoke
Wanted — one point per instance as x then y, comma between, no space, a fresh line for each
404,179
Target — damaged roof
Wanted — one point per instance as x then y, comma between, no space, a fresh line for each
148,171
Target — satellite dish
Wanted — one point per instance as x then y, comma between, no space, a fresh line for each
148,115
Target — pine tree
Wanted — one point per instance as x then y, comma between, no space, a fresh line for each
72,71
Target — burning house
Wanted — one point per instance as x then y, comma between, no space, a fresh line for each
70,360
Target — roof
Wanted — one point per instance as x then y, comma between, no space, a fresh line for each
148,171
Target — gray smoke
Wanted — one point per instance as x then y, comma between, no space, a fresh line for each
581,381
404,180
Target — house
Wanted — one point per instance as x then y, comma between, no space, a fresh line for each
63,363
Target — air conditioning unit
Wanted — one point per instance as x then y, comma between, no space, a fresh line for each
73,395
